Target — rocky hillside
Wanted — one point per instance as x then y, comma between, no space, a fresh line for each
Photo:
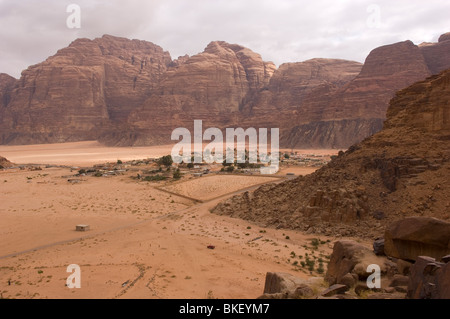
131,92
401,171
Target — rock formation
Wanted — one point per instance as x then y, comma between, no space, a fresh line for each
81,90
4,163
401,171
212,86
429,279
130,92
417,236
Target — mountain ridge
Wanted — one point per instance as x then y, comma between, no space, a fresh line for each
131,92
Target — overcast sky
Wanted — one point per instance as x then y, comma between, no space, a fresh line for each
280,30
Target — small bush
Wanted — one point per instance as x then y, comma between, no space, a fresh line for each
177,174
155,178
320,269
166,160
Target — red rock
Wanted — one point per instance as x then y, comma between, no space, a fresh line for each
130,92
424,284
437,55
82,89
417,236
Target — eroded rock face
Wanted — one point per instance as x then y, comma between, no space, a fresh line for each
7,83
130,92
412,237
437,54
212,86
357,109
84,88
429,279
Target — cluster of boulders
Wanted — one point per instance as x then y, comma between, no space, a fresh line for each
412,261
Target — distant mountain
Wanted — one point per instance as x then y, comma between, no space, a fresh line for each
130,92
403,170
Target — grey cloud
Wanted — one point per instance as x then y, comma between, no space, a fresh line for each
280,30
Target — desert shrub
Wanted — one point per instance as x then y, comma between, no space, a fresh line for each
230,169
119,162
310,263
320,269
224,163
177,174
166,160
155,178
315,243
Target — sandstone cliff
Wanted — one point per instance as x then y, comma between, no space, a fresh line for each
401,171
130,92
212,86
81,90
357,110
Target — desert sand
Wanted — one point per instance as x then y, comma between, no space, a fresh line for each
143,243
79,153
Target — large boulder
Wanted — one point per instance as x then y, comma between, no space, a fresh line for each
351,257
429,279
286,286
417,236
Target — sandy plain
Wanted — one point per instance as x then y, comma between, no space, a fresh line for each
143,243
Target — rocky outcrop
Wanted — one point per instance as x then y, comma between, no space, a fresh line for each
350,259
412,237
286,286
4,163
429,279
401,171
